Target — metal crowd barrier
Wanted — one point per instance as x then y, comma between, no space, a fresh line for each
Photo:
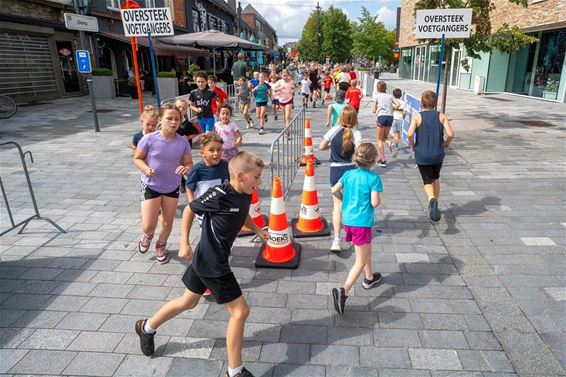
286,152
32,195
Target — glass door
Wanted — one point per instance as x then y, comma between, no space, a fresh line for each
455,68
68,66
420,62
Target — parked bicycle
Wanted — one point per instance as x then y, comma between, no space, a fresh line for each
8,107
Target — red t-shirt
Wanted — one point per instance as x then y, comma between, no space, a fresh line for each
352,75
222,97
355,97
327,81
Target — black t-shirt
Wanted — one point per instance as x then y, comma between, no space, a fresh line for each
224,213
203,99
314,77
187,128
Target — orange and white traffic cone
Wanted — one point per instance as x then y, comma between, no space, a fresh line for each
309,223
279,251
309,154
255,213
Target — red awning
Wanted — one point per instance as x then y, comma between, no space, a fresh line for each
160,49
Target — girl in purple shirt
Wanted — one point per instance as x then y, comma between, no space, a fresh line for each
163,157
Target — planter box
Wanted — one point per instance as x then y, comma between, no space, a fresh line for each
168,87
103,87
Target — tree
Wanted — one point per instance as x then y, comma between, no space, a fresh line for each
337,34
307,45
371,39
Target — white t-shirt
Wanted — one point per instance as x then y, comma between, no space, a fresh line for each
306,86
384,103
398,113
344,77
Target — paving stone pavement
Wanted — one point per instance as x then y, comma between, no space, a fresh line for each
480,293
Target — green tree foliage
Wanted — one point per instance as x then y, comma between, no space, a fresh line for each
337,34
307,45
371,39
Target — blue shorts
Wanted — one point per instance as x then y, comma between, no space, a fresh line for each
336,172
206,124
384,120
261,104
397,125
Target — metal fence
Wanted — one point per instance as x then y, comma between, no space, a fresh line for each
286,151
37,216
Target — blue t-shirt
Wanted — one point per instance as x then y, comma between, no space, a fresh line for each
202,177
261,92
137,137
356,202
336,110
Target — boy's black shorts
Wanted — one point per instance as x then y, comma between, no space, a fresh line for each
430,173
224,288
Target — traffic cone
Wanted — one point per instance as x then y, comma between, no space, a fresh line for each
255,213
309,223
309,154
279,251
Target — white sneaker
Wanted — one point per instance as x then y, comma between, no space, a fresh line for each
336,247
249,126
261,131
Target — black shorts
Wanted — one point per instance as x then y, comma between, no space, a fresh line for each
148,193
430,173
336,172
315,87
261,104
385,121
224,288
275,101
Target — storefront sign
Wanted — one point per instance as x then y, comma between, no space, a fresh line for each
140,22
83,23
452,23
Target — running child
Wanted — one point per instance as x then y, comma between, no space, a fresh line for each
334,110
398,115
314,77
187,128
429,127
285,89
306,89
224,209
342,141
383,104
148,120
274,95
229,132
163,157
359,191
200,101
244,93
262,92
222,95
354,95
327,82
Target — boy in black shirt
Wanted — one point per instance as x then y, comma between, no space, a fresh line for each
224,209
200,100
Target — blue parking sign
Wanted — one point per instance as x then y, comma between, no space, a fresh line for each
83,61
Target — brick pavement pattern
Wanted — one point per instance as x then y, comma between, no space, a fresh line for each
480,293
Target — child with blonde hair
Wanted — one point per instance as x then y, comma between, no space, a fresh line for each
341,140
359,191
148,120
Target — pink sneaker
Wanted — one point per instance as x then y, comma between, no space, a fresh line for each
162,255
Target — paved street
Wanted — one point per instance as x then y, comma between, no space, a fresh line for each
480,293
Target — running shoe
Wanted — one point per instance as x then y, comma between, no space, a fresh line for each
161,253
243,373
393,150
261,131
147,343
433,210
339,295
336,247
144,244
368,284
382,163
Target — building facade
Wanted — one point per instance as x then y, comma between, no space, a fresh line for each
537,70
263,34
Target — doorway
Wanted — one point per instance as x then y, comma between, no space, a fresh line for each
419,70
68,66
455,68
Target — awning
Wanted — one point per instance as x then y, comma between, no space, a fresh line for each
159,48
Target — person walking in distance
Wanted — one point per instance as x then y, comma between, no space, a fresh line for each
359,191
225,209
429,127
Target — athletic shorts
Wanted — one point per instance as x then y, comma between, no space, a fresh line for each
327,90
275,101
261,104
430,173
336,172
306,95
358,235
315,87
244,107
224,288
384,120
206,124
286,103
397,125
148,193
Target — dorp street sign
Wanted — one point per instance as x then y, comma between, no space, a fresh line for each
140,22
453,23
83,23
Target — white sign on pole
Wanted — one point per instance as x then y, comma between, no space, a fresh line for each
83,23
453,23
142,21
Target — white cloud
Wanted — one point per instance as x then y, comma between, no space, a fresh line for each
388,17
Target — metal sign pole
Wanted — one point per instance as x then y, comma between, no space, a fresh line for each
154,71
440,60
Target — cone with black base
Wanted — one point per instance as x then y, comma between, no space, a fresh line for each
309,154
255,213
279,251
309,223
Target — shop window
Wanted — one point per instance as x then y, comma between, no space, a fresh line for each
113,4
196,23
150,4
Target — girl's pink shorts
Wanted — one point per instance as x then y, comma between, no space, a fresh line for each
358,235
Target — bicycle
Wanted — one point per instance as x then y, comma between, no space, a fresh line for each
8,107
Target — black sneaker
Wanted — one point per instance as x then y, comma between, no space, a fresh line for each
368,284
339,299
146,340
382,163
433,210
243,373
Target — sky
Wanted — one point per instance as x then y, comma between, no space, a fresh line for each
288,17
